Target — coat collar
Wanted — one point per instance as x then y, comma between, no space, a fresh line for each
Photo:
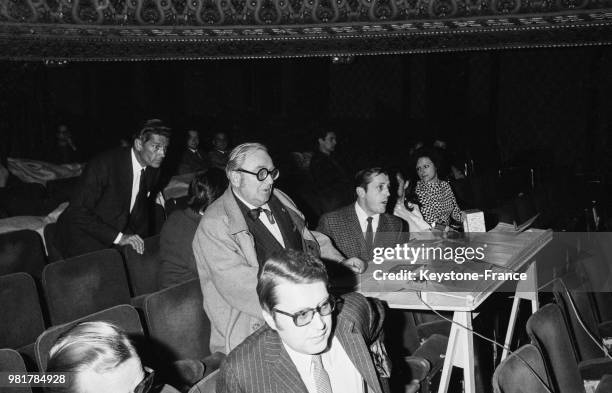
355,228
236,221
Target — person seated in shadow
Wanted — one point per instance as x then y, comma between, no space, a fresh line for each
219,154
177,259
98,357
65,151
331,182
193,160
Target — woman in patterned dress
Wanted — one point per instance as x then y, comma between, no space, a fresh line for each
429,197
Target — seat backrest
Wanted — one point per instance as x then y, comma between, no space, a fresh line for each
548,331
11,361
124,316
575,302
22,251
143,269
21,318
206,385
176,321
85,284
523,371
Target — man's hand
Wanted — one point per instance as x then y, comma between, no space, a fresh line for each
355,264
133,240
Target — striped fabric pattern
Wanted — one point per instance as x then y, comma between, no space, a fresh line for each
261,364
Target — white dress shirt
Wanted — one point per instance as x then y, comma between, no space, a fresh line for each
136,170
363,219
343,375
263,217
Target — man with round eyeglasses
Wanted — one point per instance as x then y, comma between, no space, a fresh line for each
312,341
238,232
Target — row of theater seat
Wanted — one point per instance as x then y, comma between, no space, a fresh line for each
23,251
175,326
91,286
567,336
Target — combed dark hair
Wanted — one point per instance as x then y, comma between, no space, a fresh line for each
97,346
365,176
152,127
289,265
205,188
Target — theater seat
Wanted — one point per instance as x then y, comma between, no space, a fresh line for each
22,251
85,284
11,361
143,269
124,316
548,331
179,329
575,302
523,371
21,319
176,320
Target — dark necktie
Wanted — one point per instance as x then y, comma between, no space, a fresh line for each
369,235
321,377
141,193
254,214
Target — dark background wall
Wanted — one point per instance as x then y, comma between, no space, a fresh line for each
546,107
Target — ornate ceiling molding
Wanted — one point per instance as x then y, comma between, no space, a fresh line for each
202,29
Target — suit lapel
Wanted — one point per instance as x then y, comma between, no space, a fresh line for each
383,228
126,179
357,233
357,350
284,374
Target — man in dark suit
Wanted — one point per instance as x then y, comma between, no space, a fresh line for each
360,227
115,194
193,159
312,342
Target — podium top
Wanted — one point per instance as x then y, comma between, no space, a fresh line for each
434,274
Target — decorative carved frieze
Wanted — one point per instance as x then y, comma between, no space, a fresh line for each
184,29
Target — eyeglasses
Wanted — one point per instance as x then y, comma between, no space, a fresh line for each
304,317
147,382
263,173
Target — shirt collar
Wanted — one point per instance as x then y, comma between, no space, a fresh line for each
136,167
302,361
362,216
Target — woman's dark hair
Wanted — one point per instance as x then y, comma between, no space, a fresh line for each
205,188
434,155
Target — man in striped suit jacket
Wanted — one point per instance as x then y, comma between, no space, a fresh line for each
312,342
360,227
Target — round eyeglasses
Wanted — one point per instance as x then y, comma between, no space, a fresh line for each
304,317
263,173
